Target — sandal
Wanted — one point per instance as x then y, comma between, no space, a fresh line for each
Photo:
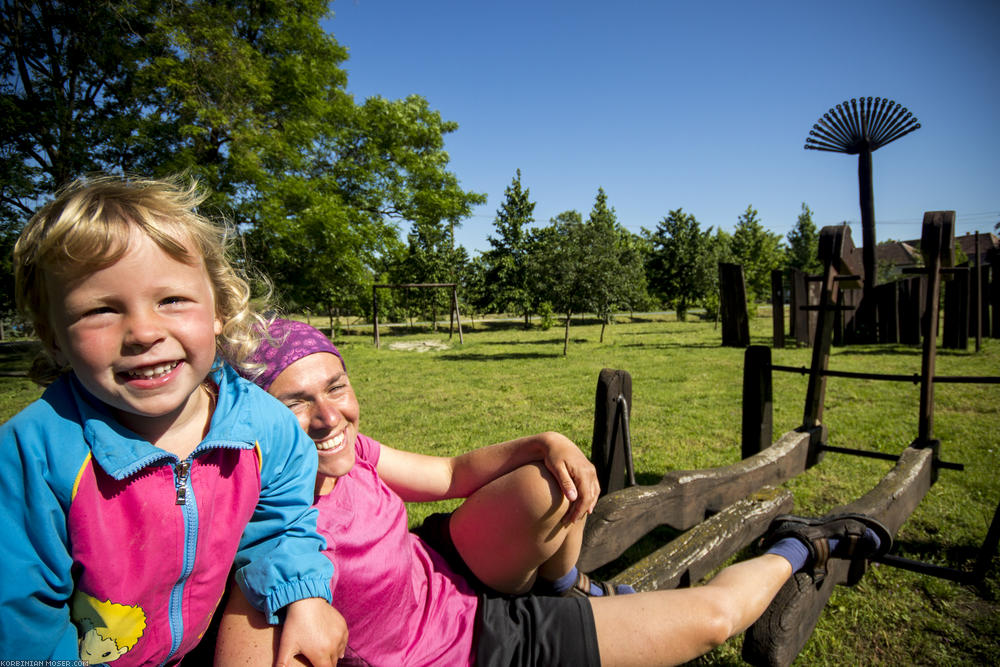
847,528
581,588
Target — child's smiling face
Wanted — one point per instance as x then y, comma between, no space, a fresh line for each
139,334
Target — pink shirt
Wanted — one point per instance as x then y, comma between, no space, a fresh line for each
402,603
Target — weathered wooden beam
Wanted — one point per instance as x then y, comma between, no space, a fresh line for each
684,498
611,450
693,555
781,632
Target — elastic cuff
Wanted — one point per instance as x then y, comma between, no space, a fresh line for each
294,591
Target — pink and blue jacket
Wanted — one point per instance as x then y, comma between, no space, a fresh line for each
114,551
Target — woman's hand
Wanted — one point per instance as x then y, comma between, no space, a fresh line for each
313,629
574,473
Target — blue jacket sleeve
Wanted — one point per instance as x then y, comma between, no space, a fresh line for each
37,582
281,559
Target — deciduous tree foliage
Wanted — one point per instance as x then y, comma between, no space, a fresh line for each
759,251
680,267
249,98
556,266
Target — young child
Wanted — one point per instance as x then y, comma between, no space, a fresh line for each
148,467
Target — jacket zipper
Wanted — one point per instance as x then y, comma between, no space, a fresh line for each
189,512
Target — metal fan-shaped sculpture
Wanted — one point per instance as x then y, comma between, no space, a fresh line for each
858,128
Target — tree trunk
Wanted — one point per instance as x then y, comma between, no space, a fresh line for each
604,323
569,314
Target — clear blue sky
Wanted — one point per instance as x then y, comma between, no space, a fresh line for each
703,106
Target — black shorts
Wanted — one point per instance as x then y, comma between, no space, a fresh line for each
524,630
536,631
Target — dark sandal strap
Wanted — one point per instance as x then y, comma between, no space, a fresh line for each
581,588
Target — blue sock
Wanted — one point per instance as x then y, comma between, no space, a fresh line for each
565,582
792,550
560,585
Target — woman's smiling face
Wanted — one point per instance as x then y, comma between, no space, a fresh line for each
317,390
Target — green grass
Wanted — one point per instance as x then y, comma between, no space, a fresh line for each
504,382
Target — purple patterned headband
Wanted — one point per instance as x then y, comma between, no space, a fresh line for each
292,341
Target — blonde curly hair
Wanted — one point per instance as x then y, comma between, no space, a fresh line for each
87,228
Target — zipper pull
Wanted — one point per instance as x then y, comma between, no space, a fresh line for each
180,481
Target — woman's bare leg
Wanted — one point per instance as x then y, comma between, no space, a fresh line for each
511,530
674,626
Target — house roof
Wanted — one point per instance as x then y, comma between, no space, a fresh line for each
907,253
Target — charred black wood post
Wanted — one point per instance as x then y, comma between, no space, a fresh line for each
758,401
778,308
860,128
994,298
955,334
733,305
937,244
611,447
837,253
694,554
684,498
799,316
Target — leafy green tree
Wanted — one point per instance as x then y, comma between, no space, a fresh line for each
803,244
759,251
613,270
70,96
556,266
506,277
679,268
719,250
248,97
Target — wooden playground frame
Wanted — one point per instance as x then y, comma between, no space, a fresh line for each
725,509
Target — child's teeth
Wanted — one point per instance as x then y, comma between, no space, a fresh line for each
152,371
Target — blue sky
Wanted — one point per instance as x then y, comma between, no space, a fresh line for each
703,106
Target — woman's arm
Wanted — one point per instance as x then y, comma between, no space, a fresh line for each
418,477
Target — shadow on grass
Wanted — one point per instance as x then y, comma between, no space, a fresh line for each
673,346
474,356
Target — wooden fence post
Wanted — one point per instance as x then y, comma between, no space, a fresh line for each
758,401
778,307
733,305
611,448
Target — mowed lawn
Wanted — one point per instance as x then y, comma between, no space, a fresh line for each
503,382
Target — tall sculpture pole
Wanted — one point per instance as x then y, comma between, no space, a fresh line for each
859,128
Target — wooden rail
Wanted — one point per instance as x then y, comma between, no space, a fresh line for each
684,498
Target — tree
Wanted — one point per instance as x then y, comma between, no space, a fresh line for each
505,260
678,268
759,251
555,266
613,270
803,244
70,97
248,97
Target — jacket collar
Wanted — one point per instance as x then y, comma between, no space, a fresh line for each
122,453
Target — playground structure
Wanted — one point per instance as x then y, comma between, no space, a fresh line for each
454,315
725,509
